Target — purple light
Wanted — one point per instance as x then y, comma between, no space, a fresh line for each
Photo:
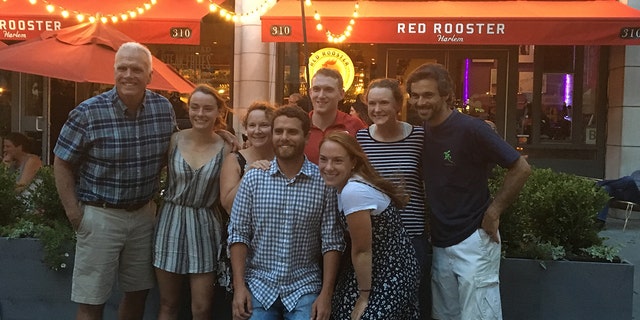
465,86
568,89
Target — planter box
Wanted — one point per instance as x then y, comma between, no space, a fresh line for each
533,289
30,290
560,290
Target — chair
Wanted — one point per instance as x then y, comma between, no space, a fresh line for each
628,209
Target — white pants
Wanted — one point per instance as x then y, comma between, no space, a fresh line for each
465,279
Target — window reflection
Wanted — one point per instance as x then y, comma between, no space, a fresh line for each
5,102
557,106
33,96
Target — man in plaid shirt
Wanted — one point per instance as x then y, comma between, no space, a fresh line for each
284,236
108,159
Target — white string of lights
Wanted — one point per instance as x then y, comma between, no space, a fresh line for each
125,15
235,17
332,37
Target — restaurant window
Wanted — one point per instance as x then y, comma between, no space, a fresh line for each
208,63
558,105
294,76
33,95
5,102
557,92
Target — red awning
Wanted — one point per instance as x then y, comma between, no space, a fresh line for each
167,22
460,22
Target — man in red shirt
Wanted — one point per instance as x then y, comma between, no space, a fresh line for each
326,91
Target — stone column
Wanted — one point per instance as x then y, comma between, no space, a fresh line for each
254,63
623,117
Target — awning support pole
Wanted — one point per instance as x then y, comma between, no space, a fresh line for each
306,53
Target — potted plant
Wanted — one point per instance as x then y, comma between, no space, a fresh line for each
10,205
556,266
37,247
39,214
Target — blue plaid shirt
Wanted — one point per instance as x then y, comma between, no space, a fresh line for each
117,158
287,225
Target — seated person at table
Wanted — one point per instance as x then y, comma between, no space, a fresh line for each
17,155
626,188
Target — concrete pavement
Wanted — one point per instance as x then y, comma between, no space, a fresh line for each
629,243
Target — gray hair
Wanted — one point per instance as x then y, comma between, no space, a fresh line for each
137,47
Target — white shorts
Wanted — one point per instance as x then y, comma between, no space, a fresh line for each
465,279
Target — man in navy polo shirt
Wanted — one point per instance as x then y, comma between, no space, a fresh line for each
464,216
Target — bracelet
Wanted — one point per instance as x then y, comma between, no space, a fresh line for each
365,290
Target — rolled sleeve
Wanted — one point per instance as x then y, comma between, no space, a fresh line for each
240,221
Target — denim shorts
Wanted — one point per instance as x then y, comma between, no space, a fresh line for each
277,311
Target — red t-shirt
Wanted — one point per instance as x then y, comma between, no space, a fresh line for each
343,122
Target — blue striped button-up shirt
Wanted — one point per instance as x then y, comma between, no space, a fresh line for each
287,225
117,158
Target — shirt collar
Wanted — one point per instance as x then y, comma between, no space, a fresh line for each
116,101
306,170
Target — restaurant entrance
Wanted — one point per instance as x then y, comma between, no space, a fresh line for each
31,118
480,79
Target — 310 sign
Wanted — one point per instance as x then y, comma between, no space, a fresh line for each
280,30
180,33
630,33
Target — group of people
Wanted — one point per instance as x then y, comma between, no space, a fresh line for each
327,216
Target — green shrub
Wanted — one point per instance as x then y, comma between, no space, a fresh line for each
10,204
44,196
39,214
553,216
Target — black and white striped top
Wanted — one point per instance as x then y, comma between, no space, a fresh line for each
400,162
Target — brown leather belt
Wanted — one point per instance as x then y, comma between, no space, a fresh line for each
126,207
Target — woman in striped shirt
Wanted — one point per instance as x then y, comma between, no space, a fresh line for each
394,149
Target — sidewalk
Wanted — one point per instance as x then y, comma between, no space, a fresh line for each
629,244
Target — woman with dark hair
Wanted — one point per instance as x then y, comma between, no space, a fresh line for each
388,135
189,229
381,279
17,155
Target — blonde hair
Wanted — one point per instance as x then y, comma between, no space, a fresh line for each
265,106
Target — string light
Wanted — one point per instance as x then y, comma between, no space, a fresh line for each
93,17
242,17
142,8
332,37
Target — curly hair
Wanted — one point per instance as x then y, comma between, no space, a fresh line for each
265,106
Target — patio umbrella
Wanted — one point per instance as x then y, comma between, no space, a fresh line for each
82,53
